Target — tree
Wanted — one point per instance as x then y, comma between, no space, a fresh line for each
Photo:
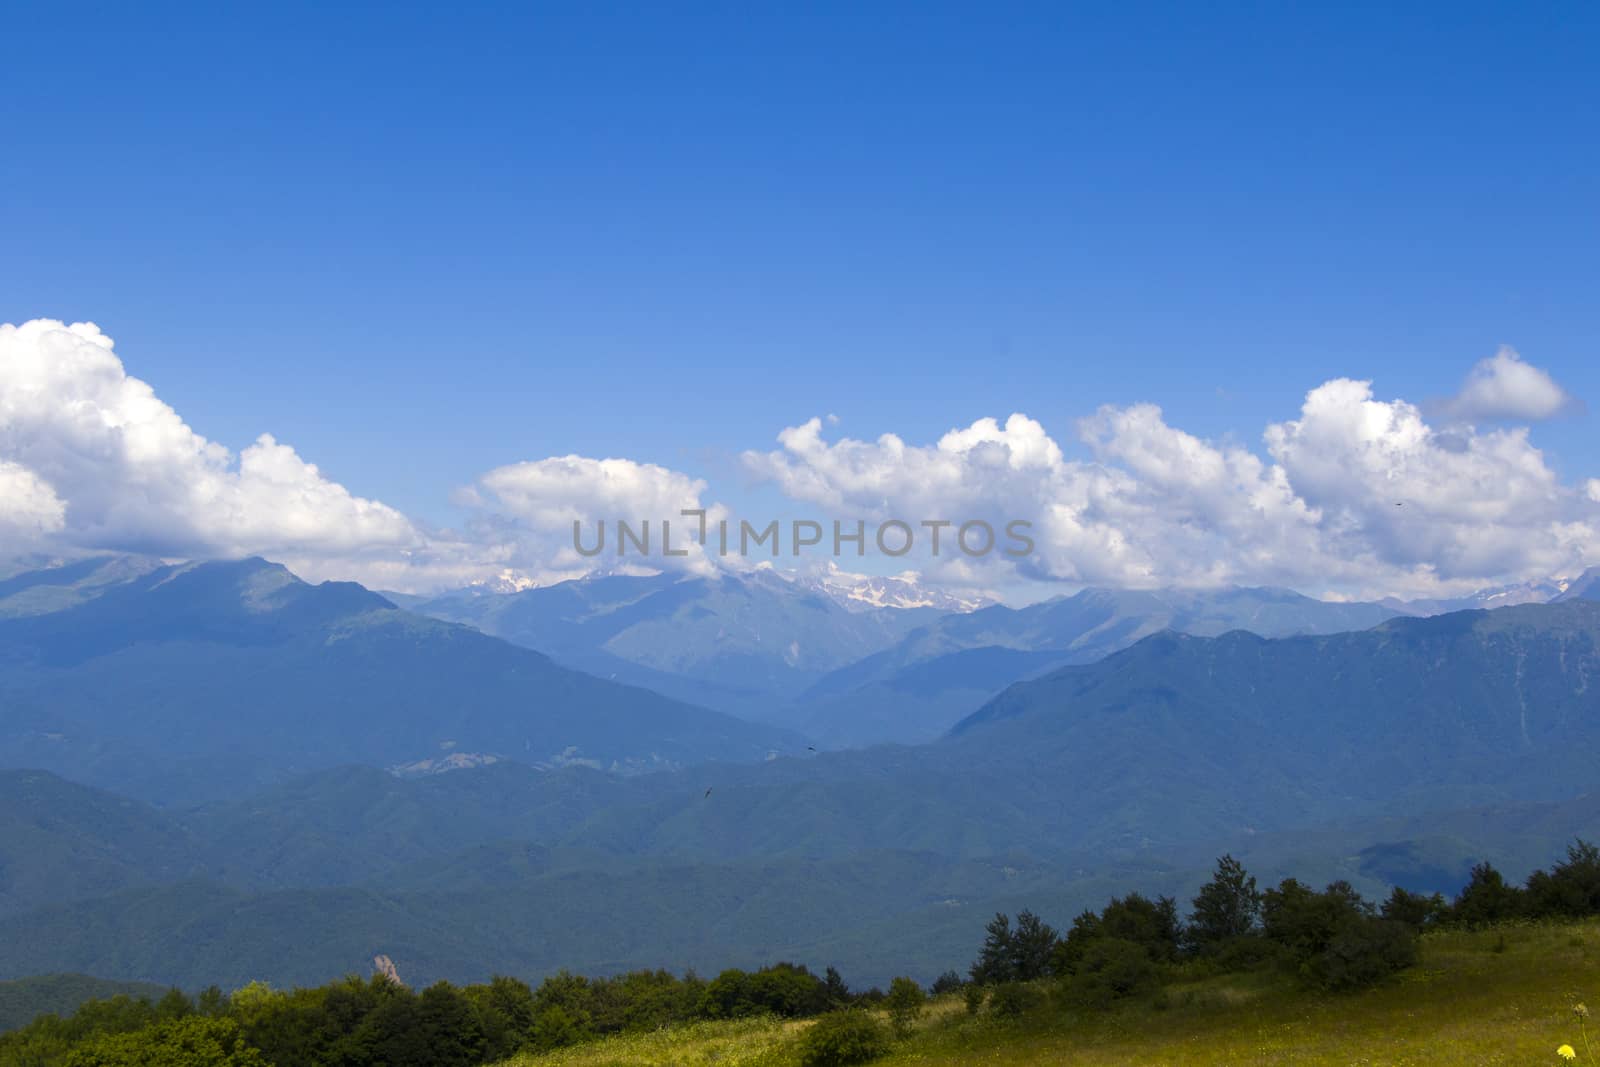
1033,944
838,992
905,1002
505,1013
1570,889
1070,950
562,1011
1414,909
1305,921
994,964
948,982
1487,898
1150,924
439,1027
1226,907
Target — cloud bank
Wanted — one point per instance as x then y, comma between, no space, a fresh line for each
91,458
1355,494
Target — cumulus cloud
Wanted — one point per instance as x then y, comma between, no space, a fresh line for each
92,457
533,506
1505,387
1357,494
29,508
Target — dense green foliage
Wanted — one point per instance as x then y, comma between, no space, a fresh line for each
187,1042
1333,939
379,1023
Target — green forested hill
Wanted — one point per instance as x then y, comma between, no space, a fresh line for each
23,999
1399,753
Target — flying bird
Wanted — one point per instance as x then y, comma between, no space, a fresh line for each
708,793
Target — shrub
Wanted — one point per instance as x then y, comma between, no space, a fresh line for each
781,989
841,1038
1011,999
1112,968
1363,953
974,995
948,982
1247,953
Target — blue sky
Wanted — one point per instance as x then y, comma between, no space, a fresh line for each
420,243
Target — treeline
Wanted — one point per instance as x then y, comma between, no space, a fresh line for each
1332,938
379,1023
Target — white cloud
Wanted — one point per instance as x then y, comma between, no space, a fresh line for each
1356,494
533,505
1505,387
100,462
29,507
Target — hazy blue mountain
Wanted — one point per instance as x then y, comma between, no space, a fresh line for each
1584,587
704,916
1181,739
1400,753
921,686
741,643
24,999
52,587
197,680
510,908
1542,591
1415,711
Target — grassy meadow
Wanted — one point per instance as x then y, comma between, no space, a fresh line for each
1496,996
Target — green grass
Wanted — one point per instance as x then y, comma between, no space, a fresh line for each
1500,996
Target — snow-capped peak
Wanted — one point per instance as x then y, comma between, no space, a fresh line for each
864,592
507,581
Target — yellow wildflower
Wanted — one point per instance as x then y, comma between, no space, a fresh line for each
1567,1052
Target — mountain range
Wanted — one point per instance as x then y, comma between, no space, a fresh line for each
842,659
1400,751
182,682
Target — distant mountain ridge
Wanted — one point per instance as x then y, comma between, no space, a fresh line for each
744,643
903,678
891,695
1401,751
230,672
